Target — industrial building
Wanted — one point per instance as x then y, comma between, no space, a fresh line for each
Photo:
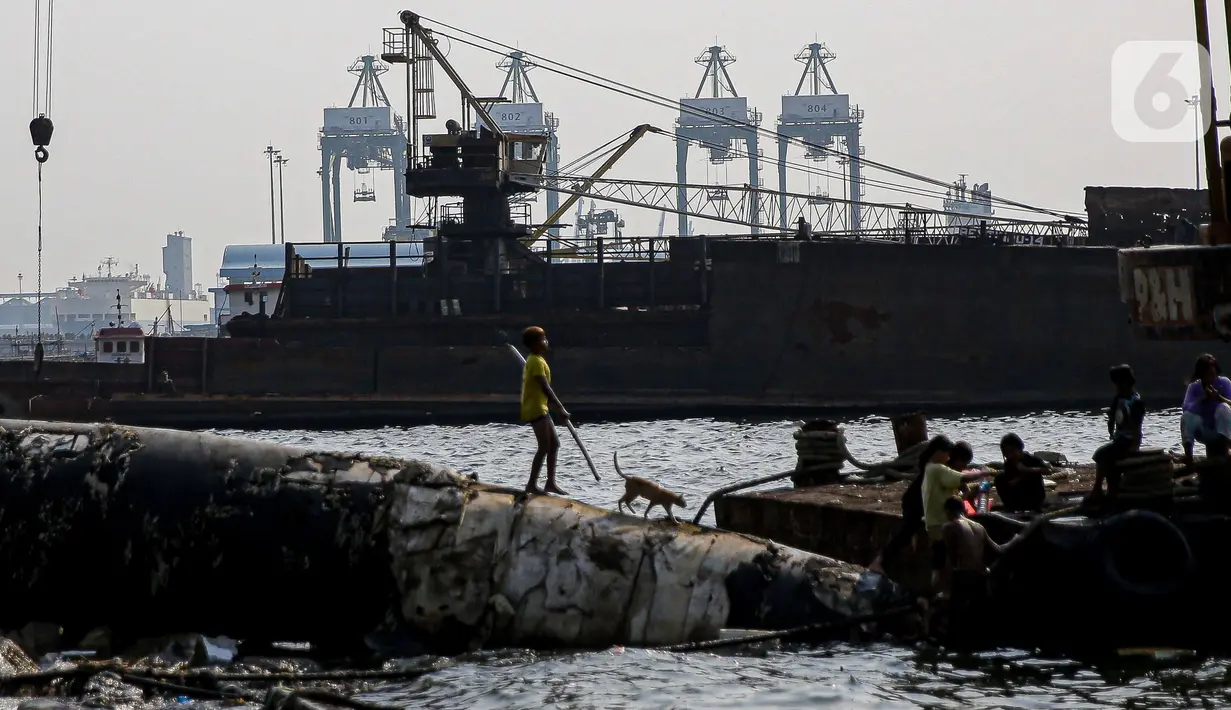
177,265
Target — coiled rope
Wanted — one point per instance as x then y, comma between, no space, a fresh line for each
821,455
826,450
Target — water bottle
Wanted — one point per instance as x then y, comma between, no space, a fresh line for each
985,496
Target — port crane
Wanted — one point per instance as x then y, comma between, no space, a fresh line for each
474,165
488,165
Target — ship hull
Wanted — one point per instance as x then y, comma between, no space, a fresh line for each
837,327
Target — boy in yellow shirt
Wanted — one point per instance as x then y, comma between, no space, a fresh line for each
940,483
536,395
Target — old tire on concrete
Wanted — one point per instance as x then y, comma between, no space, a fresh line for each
1142,555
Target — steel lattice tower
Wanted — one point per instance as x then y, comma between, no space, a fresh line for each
821,117
518,91
367,134
715,122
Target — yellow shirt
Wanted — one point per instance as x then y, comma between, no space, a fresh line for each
940,483
533,398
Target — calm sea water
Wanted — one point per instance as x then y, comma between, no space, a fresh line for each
695,457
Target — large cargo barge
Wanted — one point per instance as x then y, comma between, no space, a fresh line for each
720,327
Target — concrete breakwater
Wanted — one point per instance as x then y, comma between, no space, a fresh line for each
151,531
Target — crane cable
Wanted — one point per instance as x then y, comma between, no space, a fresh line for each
41,129
649,97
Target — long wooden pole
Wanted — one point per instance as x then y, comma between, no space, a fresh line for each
1213,166
571,429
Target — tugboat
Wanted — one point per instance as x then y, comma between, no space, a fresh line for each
120,344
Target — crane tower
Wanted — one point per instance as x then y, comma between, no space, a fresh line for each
818,114
368,135
519,110
716,122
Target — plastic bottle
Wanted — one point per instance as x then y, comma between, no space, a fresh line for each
984,499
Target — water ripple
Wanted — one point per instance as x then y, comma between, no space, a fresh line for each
695,456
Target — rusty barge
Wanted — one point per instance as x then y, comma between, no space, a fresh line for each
711,326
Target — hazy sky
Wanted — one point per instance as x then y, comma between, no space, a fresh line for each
163,109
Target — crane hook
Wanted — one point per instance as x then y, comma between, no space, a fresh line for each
41,129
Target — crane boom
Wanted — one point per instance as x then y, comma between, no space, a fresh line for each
925,225
411,20
586,184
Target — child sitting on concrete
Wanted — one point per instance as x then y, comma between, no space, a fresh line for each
1020,486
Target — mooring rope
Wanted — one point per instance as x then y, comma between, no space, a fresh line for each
1030,529
831,450
908,459
828,447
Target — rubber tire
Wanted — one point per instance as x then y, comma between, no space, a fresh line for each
1161,531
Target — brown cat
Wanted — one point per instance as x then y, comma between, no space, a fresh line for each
636,487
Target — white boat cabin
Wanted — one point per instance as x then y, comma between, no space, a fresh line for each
125,345
250,297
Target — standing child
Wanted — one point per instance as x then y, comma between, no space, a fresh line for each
940,483
912,507
536,395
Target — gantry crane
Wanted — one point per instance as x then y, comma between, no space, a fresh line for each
487,165
367,134
478,235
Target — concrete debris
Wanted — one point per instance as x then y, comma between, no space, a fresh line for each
213,651
192,649
14,660
108,689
